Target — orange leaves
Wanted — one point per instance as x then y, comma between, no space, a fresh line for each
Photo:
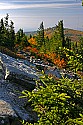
34,50
50,56
32,41
46,56
56,60
60,62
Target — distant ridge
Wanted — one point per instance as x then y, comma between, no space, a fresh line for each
31,33
74,35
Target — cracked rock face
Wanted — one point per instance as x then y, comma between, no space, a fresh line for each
17,71
11,106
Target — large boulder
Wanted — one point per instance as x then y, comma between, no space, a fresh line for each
18,71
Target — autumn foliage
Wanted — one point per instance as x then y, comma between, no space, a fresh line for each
56,59
53,57
32,41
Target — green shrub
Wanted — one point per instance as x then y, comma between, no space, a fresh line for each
58,103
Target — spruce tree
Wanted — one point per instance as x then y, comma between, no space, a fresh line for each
12,35
2,32
6,31
6,21
21,38
68,43
61,32
40,35
80,47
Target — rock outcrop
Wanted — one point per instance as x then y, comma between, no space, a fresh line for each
13,71
18,71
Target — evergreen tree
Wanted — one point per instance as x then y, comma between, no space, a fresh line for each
19,36
6,21
21,33
80,48
1,25
76,47
58,40
73,46
12,35
2,32
61,32
30,36
68,43
47,44
21,39
40,35
6,31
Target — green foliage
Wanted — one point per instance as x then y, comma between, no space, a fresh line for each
7,34
61,32
80,47
8,38
70,51
57,40
68,43
21,39
58,103
40,35
74,61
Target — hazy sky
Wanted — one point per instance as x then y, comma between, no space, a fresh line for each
28,14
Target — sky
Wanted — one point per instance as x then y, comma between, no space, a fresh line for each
28,14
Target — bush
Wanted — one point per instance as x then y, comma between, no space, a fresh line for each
58,103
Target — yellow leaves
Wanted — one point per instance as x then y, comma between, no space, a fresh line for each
32,41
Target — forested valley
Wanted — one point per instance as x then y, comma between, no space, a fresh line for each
56,101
